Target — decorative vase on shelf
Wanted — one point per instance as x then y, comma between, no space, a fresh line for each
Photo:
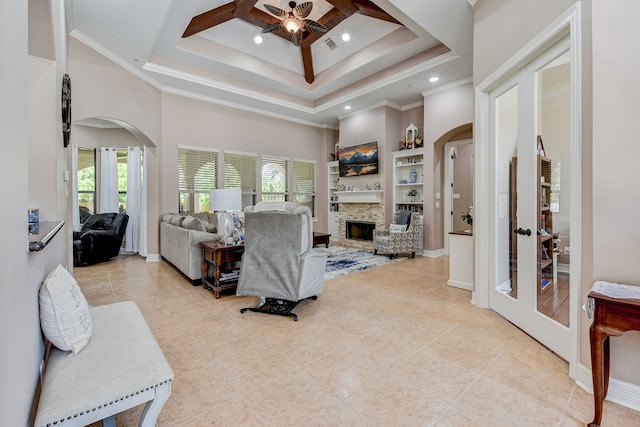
413,176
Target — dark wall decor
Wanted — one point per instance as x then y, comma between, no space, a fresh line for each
66,109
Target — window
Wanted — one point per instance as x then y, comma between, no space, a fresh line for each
274,179
197,174
240,172
86,183
121,156
304,183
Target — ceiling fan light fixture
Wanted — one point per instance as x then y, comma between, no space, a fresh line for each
291,24
294,22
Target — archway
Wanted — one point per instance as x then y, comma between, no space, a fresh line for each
93,133
462,134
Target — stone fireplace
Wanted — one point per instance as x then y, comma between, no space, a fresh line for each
365,217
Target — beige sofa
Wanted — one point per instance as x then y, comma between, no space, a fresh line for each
180,238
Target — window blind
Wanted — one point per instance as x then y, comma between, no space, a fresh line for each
274,178
240,171
197,170
304,177
304,183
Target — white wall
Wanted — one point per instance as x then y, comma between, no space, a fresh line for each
616,232
21,272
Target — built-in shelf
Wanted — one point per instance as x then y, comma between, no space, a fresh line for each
359,196
47,229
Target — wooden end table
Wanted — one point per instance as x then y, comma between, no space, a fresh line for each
612,317
225,260
321,239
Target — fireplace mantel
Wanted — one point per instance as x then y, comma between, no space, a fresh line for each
359,196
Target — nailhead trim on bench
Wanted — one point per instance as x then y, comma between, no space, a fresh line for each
107,404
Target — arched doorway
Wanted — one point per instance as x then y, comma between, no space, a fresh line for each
89,137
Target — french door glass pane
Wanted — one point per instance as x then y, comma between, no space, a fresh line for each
506,135
553,128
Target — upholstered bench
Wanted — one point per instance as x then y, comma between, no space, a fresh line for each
122,366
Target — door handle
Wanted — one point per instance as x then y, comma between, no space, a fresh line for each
522,232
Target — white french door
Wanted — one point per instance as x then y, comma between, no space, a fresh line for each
524,287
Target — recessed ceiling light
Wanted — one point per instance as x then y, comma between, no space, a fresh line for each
346,37
258,39
434,79
347,107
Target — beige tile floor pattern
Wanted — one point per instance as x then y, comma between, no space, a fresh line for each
389,346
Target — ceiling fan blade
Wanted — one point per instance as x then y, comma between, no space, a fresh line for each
296,37
276,11
303,9
314,27
272,28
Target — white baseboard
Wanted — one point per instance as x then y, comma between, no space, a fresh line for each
432,254
620,392
563,268
461,285
153,257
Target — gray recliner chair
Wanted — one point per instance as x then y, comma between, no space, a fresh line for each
279,263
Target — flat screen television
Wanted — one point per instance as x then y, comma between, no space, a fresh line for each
358,159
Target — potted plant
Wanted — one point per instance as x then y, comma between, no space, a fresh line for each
411,194
468,218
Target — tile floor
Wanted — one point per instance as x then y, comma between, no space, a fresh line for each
390,346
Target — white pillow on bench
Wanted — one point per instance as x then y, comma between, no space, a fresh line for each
64,312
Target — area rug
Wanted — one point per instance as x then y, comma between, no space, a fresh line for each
343,261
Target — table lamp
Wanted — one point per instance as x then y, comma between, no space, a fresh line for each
222,201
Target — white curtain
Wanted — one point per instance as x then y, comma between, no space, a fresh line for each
142,242
108,180
75,208
134,200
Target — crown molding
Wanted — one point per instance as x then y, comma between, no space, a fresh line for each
81,37
211,100
372,107
412,105
203,81
447,87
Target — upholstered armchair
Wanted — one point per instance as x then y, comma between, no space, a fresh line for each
279,263
391,242
99,239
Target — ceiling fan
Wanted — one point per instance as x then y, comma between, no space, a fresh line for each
294,22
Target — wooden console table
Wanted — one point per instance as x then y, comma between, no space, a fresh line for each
612,317
222,258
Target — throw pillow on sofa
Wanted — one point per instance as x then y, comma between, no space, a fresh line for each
193,223
395,228
177,220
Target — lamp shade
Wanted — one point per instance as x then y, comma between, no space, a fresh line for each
225,199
